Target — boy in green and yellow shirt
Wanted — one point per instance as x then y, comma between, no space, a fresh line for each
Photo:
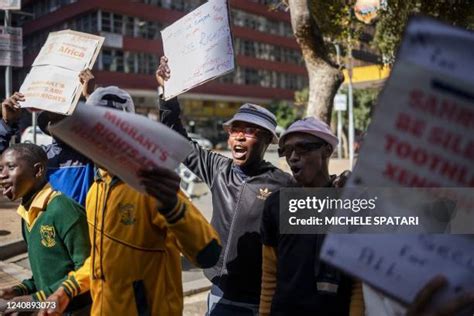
53,226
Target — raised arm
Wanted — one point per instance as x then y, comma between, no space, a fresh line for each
11,113
200,161
197,240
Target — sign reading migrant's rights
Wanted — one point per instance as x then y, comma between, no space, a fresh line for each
421,136
122,142
198,47
53,83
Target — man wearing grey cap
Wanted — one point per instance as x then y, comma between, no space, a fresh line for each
239,187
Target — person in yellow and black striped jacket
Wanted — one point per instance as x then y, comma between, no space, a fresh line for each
135,264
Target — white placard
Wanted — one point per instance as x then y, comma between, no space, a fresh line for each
10,4
52,86
55,72
401,265
11,46
422,135
122,142
69,49
198,47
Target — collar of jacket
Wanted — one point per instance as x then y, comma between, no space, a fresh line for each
262,167
38,205
102,175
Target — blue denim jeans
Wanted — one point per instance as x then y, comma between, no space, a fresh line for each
219,306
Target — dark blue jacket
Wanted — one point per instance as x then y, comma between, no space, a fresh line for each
68,171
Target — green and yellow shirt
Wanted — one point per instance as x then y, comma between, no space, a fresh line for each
55,230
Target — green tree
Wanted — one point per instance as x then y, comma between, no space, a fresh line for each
317,24
364,104
285,113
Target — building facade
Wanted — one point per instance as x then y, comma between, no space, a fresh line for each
269,65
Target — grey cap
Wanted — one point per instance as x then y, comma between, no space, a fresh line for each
255,114
313,126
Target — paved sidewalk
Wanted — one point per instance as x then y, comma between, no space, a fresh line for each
11,274
10,224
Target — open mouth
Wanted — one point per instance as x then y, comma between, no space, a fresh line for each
239,151
7,190
295,170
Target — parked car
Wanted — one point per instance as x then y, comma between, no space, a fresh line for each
41,138
203,142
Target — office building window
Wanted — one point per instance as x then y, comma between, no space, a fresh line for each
112,22
128,62
112,60
130,26
260,23
42,7
148,29
265,78
268,52
178,5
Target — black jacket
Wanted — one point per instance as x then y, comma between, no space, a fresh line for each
237,201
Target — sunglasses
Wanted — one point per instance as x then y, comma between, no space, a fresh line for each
251,132
299,148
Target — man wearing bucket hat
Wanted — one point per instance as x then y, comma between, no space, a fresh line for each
68,171
294,280
239,187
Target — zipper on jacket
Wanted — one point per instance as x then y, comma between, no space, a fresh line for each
101,249
94,276
107,190
229,238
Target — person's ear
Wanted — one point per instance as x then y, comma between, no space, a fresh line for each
269,139
39,170
327,151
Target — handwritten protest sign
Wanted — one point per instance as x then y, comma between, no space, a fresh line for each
401,266
199,47
53,83
421,136
122,142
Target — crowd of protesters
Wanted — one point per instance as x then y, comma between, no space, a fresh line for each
97,246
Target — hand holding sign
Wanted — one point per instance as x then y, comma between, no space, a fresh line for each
52,83
163,72
87,80
11,110
122,142
452,307
162,184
